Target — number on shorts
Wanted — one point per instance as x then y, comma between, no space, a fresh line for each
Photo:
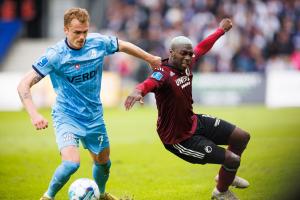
100,138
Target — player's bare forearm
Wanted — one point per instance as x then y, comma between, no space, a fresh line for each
24,86
131,49
136,95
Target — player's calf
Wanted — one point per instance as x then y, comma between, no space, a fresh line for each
232,161
61,176
228,171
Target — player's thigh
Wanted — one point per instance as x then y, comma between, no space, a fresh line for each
67,133
96,140
214,129
198,150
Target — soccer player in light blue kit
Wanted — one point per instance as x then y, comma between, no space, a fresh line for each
75,68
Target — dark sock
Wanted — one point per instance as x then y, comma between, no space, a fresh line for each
226,175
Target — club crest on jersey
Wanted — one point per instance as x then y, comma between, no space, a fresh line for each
77,66
157,75
43,61
93,53
187,72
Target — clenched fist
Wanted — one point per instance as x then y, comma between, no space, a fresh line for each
226,24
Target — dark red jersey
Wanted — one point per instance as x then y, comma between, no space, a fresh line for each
173,92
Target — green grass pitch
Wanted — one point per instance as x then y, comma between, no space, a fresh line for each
143,169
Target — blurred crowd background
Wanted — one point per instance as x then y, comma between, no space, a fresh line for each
256,62
266,34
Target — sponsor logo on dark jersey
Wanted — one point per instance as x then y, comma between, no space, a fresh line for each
183,81
82,77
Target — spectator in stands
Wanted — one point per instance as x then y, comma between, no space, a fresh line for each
259,21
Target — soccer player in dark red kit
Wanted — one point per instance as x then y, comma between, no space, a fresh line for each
193,137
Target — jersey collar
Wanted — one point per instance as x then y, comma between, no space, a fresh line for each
66,41
166,63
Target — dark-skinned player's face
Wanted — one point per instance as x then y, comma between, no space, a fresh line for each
182,55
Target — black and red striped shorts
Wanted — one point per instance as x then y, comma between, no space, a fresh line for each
203,147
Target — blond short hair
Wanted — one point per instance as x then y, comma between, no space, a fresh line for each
80,14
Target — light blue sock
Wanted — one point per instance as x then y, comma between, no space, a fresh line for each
61,175
101,174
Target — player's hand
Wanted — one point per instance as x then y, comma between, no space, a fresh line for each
154,62
226,24
39,122
136,95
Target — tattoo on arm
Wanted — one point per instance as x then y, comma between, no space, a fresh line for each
36,79
26,93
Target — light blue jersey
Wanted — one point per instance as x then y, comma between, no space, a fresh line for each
76,78
76,75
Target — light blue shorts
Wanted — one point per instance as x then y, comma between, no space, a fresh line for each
69,131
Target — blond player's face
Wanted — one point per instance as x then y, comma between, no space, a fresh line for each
76,33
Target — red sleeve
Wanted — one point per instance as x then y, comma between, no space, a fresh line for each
205,45
147,86
156,80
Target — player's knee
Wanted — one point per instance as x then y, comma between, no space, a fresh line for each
245,137
240,139
71,167
232,161
102,157
102,160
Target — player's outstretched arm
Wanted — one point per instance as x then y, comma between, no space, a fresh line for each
24,86
136,95
131,49
205,45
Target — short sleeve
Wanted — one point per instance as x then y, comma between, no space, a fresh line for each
159,76
45,64
111,44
